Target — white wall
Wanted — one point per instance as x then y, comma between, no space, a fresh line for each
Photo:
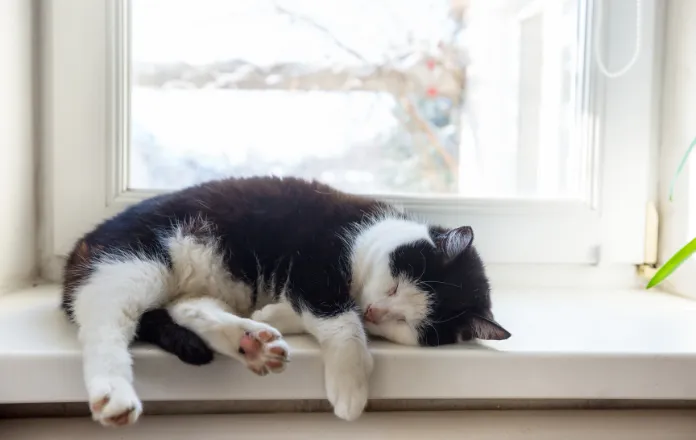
17,156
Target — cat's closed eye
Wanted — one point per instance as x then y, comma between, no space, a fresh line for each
393,290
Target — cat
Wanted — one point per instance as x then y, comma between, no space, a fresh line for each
231,265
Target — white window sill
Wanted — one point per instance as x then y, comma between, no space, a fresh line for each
584,344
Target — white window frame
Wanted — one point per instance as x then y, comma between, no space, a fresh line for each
83,76
678,216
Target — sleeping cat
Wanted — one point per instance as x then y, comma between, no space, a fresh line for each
232,265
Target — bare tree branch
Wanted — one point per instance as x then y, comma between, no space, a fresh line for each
403,100
322,29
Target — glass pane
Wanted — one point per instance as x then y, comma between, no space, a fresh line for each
468,97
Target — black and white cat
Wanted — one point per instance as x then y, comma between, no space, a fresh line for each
231,265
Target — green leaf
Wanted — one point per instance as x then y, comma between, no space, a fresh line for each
673,263
681,167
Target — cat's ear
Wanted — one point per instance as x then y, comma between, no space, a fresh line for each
486,328
455,241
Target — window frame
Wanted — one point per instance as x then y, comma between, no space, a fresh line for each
677,217
82,82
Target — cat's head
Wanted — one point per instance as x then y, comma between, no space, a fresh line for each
422,285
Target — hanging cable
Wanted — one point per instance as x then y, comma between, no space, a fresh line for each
598,41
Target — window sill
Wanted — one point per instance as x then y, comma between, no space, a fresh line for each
582,344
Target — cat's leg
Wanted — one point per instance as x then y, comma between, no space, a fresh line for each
157,327
347,360
259,346
281,316
107,306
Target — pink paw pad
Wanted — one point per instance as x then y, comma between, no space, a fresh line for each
264,352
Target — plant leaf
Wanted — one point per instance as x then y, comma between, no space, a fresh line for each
673,263
681,167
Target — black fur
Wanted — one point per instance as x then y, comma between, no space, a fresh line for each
157,327
271,224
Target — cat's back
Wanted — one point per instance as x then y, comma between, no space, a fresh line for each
240,209
273,199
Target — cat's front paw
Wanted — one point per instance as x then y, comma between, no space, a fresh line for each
264,350
347,392
113,402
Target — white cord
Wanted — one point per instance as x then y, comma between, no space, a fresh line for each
598,40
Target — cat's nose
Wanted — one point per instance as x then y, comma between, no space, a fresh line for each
374,314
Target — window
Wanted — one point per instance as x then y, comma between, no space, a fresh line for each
485,112
471,98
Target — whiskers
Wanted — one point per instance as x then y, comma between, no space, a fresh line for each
424,265
458,286
428,323
431,324
450,318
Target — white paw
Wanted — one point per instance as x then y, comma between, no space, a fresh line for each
264,349
347,392
262,315
113,401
